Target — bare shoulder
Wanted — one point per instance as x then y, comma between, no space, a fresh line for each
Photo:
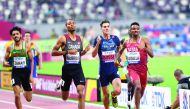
62,39
81,37
145,39
9,48
28,46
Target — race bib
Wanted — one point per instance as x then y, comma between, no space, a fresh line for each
73,59
133,57
108,56
19,62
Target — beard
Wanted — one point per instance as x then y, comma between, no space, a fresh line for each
72,31
17,39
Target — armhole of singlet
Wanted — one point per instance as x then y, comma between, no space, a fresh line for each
126,42
66,37
12,46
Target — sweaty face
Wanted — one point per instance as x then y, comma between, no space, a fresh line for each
27,37
105,28
135,30
71,25
16,35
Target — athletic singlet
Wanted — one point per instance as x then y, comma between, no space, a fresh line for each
19,57
137,60
107,52
70,45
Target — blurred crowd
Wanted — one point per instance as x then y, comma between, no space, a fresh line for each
174,38
161,9
52,11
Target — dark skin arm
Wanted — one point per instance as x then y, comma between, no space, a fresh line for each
61,42
119,54
148,48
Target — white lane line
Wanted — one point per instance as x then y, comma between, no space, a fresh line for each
28,106
59,99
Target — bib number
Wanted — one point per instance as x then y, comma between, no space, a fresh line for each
73,59
19,62
108,56
133,57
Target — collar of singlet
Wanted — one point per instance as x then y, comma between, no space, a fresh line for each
138,41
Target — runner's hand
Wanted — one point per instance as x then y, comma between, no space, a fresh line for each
6,64
40,66
98,40
118,64
73,52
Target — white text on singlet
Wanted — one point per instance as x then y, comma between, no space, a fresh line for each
19,62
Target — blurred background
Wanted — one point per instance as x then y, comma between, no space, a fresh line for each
164,22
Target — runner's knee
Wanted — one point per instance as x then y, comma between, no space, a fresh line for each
138,88
117,91
80,94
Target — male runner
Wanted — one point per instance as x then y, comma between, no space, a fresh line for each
72,50
106,47
137,50
19,53
37,56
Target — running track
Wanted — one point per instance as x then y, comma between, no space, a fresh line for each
40,102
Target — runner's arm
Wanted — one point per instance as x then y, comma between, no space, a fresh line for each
176,103
6,57
29,52
39,54
120,52
87,48
95,49
60,42
148,48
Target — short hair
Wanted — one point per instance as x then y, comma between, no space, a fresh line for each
16,28
178,72
68,20
27,32
104,21
134,23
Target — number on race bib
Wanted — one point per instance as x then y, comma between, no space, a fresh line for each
73,59
133,57
108,56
